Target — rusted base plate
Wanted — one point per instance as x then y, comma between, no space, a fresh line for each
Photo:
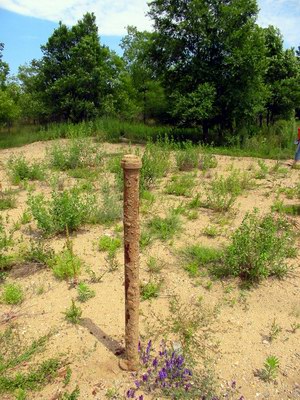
123,364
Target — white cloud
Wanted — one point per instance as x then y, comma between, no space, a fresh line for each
285,15
113,16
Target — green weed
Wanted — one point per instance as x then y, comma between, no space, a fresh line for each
66,209
181,185
20,170
199,257
7,200
110,244
77,153
259,248
66,264
73,313
270,370
110,209
84,292
12,294
187,157
164,228
154,265
150,290
207,161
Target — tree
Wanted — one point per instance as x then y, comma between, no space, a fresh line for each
4,68
147,89
282,78
9,93
72,76
215,43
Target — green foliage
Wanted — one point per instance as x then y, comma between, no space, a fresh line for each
84,292
187,157
20,170
110,244
66,264
199,257
155,164
164,228
73,313
270,370
207,161
67,209
154,265
74,395
263,170
12,294
259,248
224,191
110,210
150,290
39,252
181,185
78,153
7,200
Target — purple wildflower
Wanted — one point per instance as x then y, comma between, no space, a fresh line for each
130,394
162,374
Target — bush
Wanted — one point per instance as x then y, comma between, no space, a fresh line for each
66,264
155,164
20,170
187,158
110,244
259,248
68,209
181,185
78,153
12,294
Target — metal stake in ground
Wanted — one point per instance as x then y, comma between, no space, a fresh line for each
131,166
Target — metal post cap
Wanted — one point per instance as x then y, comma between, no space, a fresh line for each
131,161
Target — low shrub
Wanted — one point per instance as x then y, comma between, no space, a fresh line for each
259,248
12,294
181,185
66,209
110,244
187,157
20,169
164,228
78,153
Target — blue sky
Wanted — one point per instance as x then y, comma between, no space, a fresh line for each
26,24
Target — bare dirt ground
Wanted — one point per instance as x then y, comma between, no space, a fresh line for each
239,341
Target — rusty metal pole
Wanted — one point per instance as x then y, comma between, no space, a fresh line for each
131,165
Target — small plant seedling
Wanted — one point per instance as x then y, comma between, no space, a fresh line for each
154,265
12,294
164,228
150,290
145,239
74,395
211,231
66,265
263,170
295,326
84,292
181,185
110,244
112,393
274,331
20,170
7,200
112,262
73,313
270,370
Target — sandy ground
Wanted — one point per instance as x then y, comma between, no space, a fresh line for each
240,328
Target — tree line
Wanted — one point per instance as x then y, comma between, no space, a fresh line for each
207,64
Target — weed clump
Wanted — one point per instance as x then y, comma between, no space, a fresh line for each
110,244
20,170
259,248
12,294
164,228
84,292
73,313
78,153
187,157
67,209
181,185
